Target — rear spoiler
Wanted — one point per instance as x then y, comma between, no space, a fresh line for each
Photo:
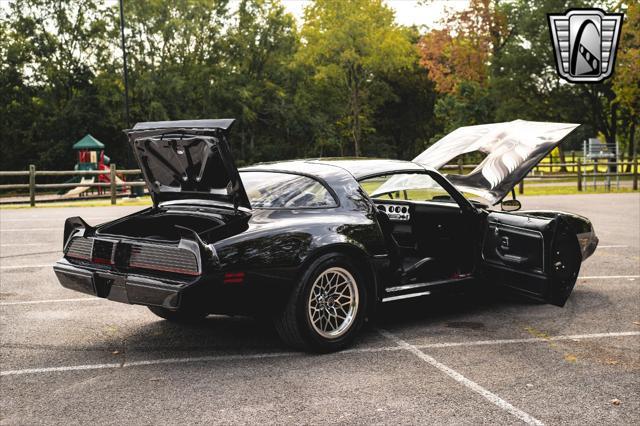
197,127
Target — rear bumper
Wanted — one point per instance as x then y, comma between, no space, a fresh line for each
126,288
260,292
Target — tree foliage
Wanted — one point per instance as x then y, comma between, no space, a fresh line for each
494,62
346,80
350,46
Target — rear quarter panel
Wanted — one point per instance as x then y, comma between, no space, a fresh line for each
277,239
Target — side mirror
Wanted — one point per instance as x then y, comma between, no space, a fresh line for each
510,205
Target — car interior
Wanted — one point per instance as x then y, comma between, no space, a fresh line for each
431,238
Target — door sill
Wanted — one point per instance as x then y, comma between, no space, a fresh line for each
405,287
405,296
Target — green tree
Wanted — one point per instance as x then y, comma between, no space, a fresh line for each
489,68
525,83
405,121
51,49
260,82
176,56
348,46
626,83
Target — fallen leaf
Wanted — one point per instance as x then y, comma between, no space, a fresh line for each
570,358
616,401
611,361
636,322
115,352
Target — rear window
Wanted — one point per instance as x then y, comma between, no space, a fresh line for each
285,190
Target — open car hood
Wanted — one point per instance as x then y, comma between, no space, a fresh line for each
188,159
512,149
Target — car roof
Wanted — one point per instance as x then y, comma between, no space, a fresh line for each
321,167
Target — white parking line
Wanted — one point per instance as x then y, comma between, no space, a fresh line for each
54,369
147,362
609,277
528,340
35,302
214,358
489,396
61,219
57,228
43,265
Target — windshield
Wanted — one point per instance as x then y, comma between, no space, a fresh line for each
285,190
414,186
411,186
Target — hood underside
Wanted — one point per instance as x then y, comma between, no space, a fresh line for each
512,149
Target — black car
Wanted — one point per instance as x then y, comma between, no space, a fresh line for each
318,244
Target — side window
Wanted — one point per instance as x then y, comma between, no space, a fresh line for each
409,186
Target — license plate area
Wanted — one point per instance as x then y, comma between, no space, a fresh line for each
102,285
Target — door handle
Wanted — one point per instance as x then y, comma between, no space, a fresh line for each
504,243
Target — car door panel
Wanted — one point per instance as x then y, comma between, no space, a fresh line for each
514,246
538,257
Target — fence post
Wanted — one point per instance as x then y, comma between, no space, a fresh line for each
521,187
112,180
32,185
579,175
460,168
635,172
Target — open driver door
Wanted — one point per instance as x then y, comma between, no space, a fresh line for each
538,257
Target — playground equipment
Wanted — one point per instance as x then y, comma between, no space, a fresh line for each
90,157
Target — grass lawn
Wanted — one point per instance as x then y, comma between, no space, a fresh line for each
529,189
572,189
140,201
368,186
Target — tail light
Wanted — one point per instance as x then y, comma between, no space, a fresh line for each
80,248
168,259
143,256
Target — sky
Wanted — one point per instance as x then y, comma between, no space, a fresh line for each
408,12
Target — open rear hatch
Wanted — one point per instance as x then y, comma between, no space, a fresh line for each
512,149
188,159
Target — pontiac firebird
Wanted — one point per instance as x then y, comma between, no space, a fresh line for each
318,244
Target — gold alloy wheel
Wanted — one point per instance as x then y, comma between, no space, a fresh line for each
333,302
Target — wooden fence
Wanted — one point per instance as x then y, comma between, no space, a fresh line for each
582,172
32,186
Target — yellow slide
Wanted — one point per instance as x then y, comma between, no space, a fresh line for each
75,192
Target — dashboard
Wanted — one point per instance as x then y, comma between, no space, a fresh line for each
396,212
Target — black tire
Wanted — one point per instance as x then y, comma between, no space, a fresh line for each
185,317
294,324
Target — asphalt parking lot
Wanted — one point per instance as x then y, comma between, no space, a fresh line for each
463,359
